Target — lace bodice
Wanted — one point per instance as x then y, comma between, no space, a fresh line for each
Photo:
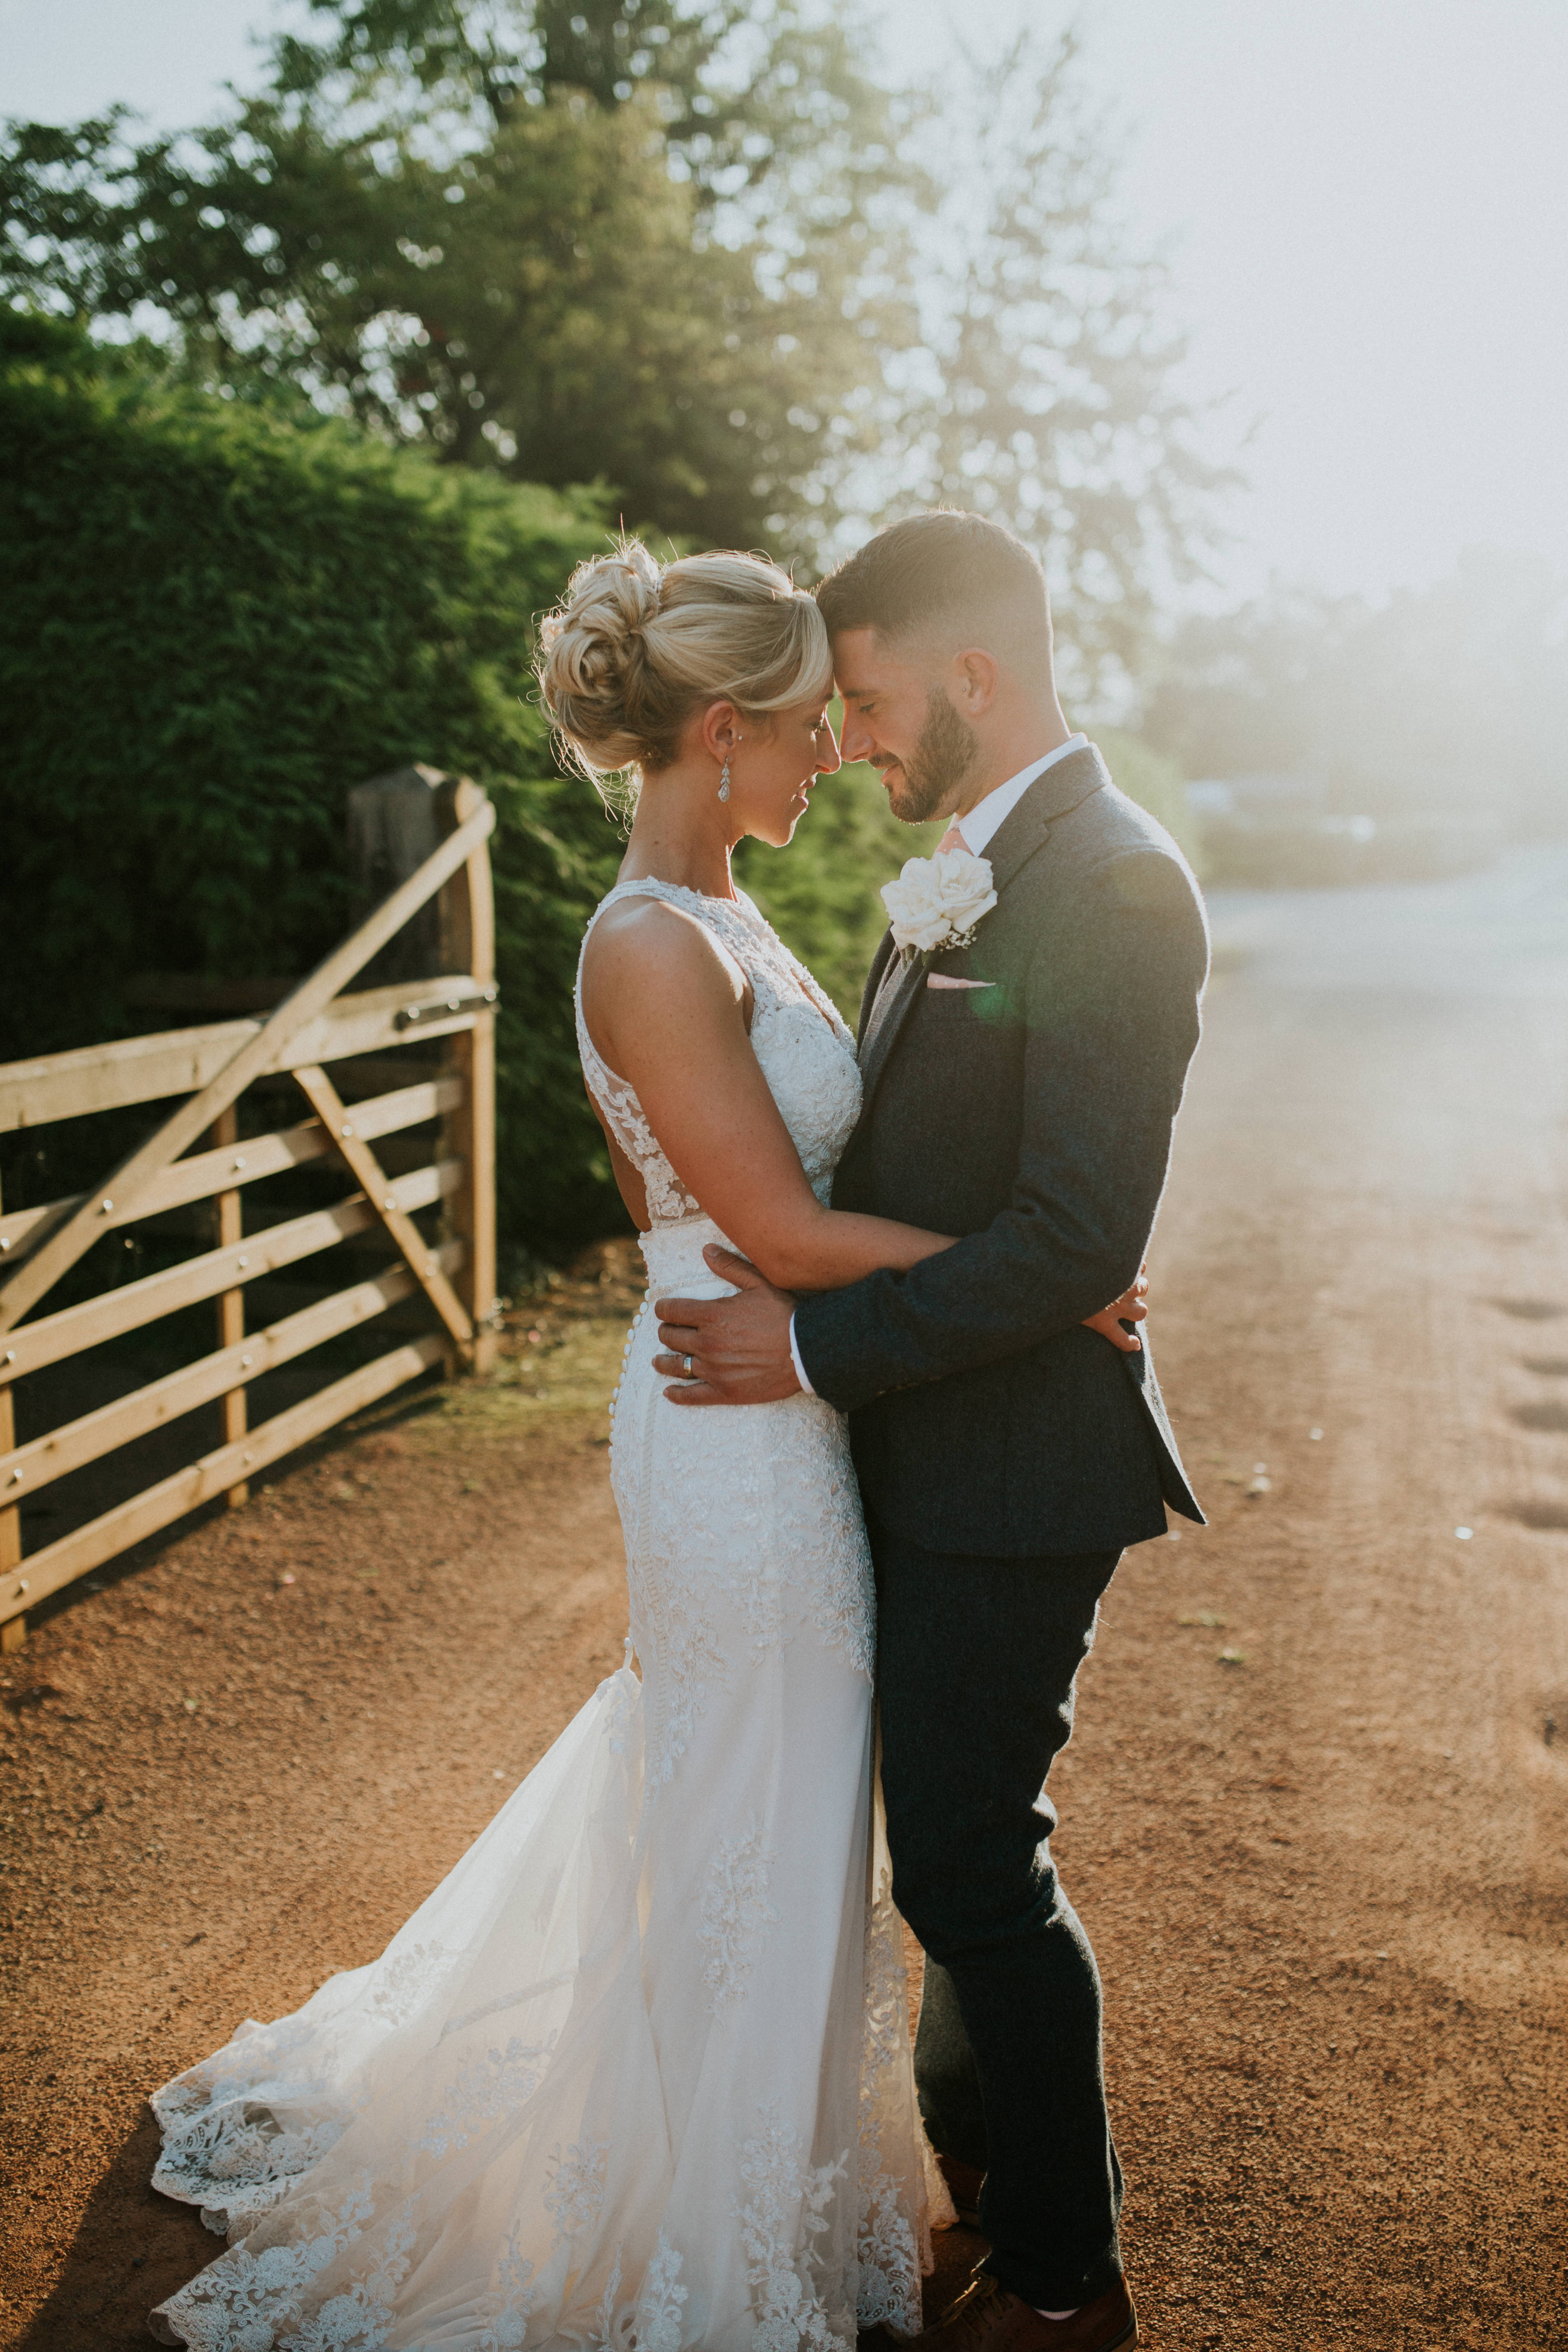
806,1051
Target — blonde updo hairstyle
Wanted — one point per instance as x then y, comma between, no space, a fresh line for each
637,646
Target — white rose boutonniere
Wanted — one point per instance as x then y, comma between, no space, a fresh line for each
937,902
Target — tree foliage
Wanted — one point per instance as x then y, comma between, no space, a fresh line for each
1046,387
621,246
693,250
754,93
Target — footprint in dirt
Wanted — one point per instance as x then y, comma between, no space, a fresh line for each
1550,1416
1530,1310
1551,1517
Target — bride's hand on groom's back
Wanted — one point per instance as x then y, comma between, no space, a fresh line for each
728,1350
1129,1307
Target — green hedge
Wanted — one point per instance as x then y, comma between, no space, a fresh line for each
218,620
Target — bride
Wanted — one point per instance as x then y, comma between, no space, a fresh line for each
637,2073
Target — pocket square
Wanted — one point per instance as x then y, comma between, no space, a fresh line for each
950,979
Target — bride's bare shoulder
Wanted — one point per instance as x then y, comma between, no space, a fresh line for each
655,946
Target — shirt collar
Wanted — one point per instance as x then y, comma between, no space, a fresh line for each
986,817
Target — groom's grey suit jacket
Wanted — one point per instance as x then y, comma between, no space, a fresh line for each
1033,1117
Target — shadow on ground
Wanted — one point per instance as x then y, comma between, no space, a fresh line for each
130,2249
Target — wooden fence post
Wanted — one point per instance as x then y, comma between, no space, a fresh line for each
467,944
14,1631
224,1134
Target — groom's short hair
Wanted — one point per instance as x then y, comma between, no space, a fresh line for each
942,572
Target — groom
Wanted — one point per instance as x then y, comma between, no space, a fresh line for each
1019,1091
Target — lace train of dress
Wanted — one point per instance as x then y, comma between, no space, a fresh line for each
636,2076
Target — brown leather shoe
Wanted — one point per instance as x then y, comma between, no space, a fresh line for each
964,2182
988,2318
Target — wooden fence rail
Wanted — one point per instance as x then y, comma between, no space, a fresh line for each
211,1067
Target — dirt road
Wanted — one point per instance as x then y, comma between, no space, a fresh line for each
1316,1811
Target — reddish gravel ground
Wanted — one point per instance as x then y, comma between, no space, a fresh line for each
1315,1811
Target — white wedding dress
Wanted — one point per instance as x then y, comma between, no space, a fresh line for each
636,2076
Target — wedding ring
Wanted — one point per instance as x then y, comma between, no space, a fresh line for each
686,1362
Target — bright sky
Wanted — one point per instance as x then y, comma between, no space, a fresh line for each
1368,201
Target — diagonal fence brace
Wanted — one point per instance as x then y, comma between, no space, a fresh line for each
422,1261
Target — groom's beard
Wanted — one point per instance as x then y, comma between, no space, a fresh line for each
944,752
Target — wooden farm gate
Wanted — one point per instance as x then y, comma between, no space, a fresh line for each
314,1027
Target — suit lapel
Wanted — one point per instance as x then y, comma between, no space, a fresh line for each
1050,796
886,954
901,984
886,1005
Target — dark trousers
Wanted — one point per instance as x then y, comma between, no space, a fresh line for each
976,1659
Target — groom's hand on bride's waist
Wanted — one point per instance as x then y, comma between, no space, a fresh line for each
728,1350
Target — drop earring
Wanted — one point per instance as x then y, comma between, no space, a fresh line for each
724,779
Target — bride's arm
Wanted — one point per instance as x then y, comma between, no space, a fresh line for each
668,1013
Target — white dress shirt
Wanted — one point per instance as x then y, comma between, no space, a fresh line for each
986,818
979,828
